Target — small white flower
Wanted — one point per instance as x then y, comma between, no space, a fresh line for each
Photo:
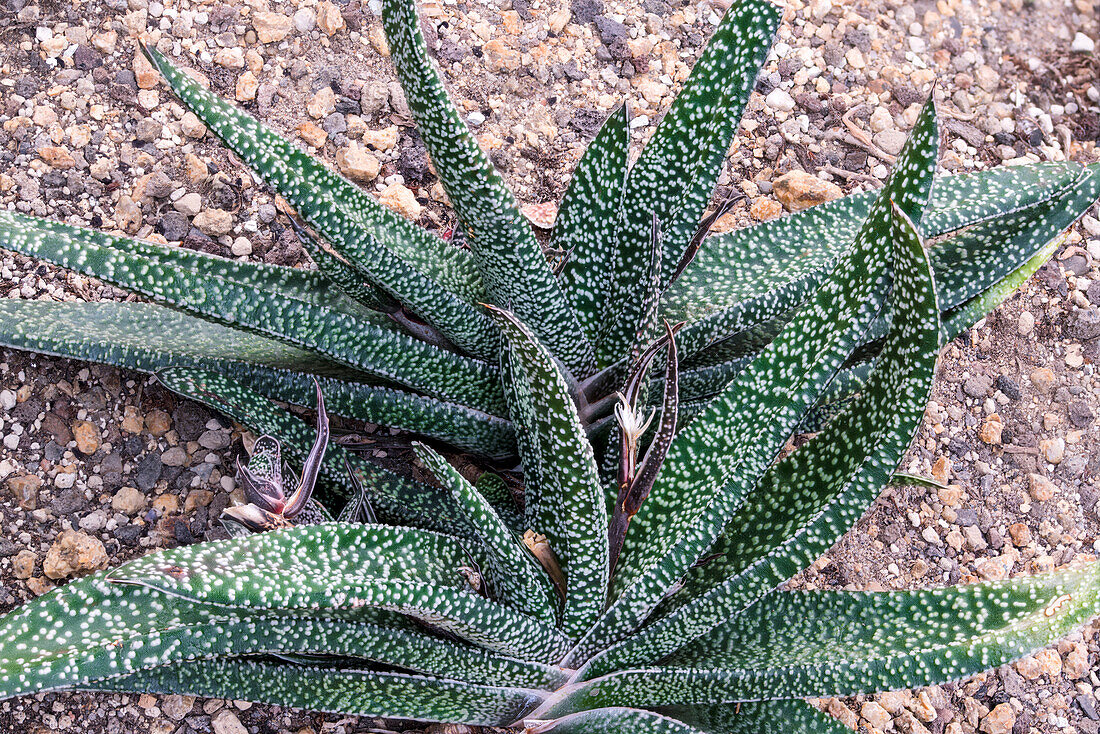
630,421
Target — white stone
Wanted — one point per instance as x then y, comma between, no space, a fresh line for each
7,399
188,204
1082,44
779,100
305,20
242,247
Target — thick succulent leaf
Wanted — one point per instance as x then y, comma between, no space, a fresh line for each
836,643
610,720
300,308
966,199
337,570
565,501
92,630
435,280
790,716
996,248
588,220
673,178
782,716
962,317
336,690
353,282
513,576
512,265
145,337
754,275
148,337
716,460
399,499
808,500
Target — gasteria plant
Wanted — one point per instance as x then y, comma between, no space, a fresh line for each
391,320
635,585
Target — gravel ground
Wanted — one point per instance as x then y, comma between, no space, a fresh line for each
98,466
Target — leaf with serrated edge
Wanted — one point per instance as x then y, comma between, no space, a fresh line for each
808,500
588,220
610,720
783,716
840,643
754,274
513,268
567,503
128,628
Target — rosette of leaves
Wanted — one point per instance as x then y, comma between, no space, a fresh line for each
647,597
391,322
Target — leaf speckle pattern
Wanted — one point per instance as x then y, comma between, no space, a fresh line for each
492,600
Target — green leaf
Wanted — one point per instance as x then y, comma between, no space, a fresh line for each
399,499
564,499
588,221
837,643
673,178
148,337
92,630
513,268
744,428
783,716
808,500
989,252
435,280
754,275
299,308
364,692
336,570
610,720
513,576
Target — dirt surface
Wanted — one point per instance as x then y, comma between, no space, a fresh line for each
86,136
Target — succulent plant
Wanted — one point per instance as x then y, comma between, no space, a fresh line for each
390,320
635,582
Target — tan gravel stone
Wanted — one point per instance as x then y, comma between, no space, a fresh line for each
271,27
322,103
357,164
147,76
214,222
991,430
191,126
798,190
400,199
128,215
247,84
25,490
764,209
87,437
875,715
312,134
1041,488
74,554
329,19
382,140
1000,720
22,566
128,500
500,57
1077,662
57,156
